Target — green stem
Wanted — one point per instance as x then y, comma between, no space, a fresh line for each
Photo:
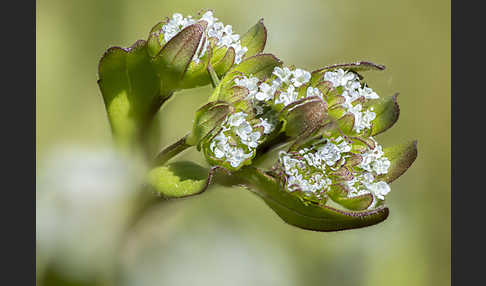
170,151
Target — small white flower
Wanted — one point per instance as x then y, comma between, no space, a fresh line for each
329,153
381,165
282,74
249,83
236,156
243,130
313,91
237,119
380,189
266,92
287,97
219,145
362,120
300,77
267,126
367,93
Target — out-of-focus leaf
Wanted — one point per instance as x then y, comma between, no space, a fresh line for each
179,179
401,158
307,216
387,113
130,89
255,39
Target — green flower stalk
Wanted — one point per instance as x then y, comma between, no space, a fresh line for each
330,172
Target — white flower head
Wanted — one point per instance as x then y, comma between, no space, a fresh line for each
283,74
250,83
287,97
266,92
267,126
300,77
367,93
313,91
340,77
380,189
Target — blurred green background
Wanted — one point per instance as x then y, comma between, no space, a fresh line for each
229,236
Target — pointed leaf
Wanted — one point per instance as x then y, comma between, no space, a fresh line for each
155,41
255,39
387,113
307,216
173,60
260,66
180,179
401,158
225,63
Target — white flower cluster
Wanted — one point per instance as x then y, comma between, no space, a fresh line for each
287,81
223,34
310,170
224,145
299,176
308,173
353,90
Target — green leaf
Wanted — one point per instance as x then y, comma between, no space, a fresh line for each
307,216
155,41
173,60
339,194
130,89
346,124
180,179
255,39
401,158
387,113
225,63
260,66
208,118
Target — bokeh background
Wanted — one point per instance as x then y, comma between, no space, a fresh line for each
229,236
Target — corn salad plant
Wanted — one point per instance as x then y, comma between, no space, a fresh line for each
314,130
